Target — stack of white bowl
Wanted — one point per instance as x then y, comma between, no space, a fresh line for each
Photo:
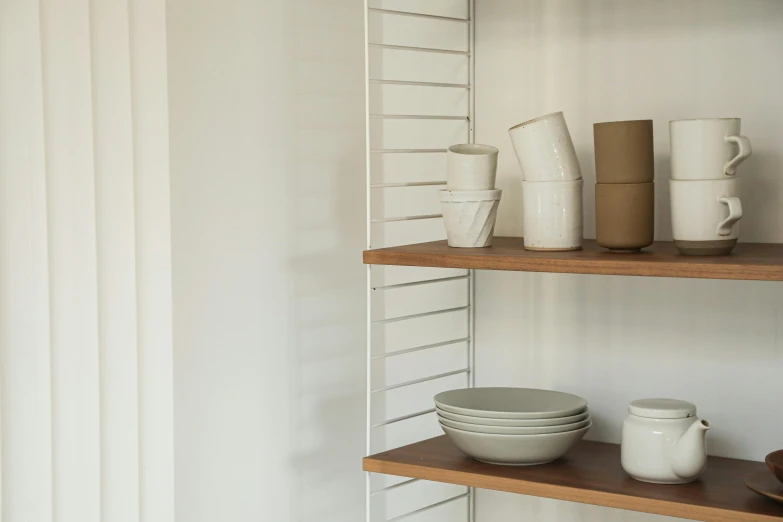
552,183
470,202
513,426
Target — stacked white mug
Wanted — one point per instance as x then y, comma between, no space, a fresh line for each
470,202
704,187
552,183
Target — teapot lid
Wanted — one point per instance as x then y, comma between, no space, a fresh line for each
662,408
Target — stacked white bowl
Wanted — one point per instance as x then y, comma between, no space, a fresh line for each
470,202
513,426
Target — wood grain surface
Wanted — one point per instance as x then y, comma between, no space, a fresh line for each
767,484
590,474
749,261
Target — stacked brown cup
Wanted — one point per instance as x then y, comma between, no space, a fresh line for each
624,190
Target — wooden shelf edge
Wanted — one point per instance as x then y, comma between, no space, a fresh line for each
461,470
753,261
581,496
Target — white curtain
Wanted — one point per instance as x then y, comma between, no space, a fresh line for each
85,278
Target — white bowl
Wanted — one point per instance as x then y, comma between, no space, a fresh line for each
510,403
513,423
515,450
505,430
469,216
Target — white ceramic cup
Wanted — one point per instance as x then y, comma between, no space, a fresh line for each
469,216
707,149
471,167
552,214
545,150
705,215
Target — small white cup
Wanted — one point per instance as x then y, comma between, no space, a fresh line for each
552,214
705,215
469,216
544,149
471,167
707,149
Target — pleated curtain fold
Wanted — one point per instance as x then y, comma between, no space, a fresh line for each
86,408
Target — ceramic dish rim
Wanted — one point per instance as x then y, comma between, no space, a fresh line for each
528,122
620,121
765,493
488,150
495,414
776,468
703,119
588,420
585,414
493,435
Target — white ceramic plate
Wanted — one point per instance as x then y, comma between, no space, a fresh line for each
515,450
510,403
513,423
505,430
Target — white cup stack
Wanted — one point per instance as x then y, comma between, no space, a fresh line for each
705,190
552,183
513,426
470,202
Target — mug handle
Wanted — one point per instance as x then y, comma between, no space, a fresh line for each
735,214
730,168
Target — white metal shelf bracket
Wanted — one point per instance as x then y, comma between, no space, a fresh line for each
381,357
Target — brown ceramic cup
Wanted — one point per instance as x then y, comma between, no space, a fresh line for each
624,215
624,152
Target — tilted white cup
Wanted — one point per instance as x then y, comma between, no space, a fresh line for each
707,149
705,215
471,167
544,149
552,214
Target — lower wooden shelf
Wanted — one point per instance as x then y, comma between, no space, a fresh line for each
590,474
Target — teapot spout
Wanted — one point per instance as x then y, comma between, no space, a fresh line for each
690,452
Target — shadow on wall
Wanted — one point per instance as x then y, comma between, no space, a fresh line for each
326,228
634,60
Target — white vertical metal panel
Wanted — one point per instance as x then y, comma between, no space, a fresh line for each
153,259
409,118
116,250
472,280
72,259
26,448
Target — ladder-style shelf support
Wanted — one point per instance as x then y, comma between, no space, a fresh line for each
590,474
750,261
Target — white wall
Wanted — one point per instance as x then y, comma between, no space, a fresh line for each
612,340
267,142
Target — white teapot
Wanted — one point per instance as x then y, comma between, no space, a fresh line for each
663,441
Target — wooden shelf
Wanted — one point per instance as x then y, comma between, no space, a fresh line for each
750,261
590,474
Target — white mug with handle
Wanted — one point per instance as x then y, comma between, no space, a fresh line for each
707,149
705,215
